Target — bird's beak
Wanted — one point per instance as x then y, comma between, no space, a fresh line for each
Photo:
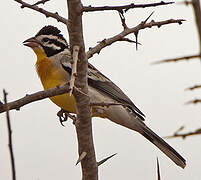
31,42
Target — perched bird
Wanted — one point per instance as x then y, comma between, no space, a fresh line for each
54,68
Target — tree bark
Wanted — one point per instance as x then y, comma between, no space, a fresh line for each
83,123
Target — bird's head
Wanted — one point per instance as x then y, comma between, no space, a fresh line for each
48,41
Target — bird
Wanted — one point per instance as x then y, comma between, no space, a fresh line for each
53,67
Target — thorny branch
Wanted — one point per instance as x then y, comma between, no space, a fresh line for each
123,8
197,13
120,37
177,59
83,123
34,97
184,135
193,87
106,42
10,141
195,101
43,11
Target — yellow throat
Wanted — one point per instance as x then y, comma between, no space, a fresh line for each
51,77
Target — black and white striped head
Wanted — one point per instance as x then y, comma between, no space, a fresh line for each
49,39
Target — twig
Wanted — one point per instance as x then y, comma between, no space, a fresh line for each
195,101
184,135
105,159
177,59
74,68
40,2
123,8
123,20
46,13
193,87
34,97
125,32
10,143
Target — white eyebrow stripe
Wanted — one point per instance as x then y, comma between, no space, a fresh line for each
52,46
53,37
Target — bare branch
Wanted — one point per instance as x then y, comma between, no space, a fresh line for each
10,141
193,87
40,2
184,135
34,97
107,42
195,101
83,123
46,13
177,59
123,8
74,68
105,159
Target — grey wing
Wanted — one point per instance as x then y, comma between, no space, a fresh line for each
104,85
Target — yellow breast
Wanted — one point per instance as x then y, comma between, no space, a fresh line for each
51,77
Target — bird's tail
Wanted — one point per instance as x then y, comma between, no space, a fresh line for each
162,145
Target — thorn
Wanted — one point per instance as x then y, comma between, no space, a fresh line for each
158,170
180,129
4,92
180,22
148,17
82,156
104,160
136,39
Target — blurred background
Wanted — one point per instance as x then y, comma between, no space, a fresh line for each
45,150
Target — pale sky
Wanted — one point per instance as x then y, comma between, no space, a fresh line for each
46,150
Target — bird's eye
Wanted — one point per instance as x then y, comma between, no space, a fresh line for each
45,40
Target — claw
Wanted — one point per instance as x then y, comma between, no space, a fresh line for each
63,116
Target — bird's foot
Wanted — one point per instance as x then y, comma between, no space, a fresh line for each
63,116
